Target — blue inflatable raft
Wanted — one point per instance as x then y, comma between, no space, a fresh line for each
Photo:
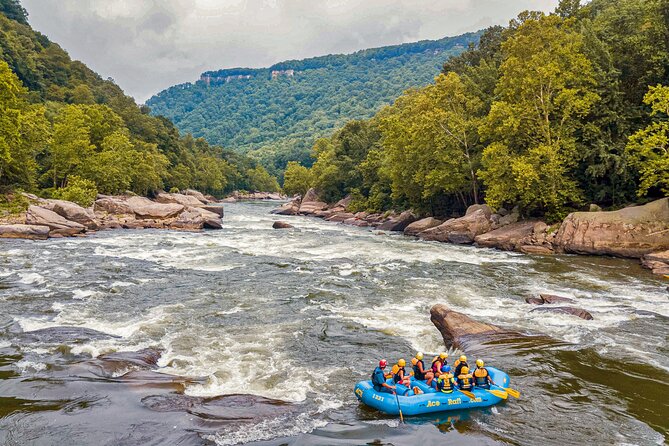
430,400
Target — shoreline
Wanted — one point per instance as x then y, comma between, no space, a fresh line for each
637,232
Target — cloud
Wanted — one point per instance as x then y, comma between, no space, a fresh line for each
149,45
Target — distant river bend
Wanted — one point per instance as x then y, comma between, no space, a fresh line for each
300,316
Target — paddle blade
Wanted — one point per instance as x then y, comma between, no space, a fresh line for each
499,393
514,393
469,394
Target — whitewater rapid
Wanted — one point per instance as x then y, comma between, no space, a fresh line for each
300,315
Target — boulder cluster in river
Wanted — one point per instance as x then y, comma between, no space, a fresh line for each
45,218
640,232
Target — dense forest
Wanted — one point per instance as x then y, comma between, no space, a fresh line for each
551,113
66,132
276,114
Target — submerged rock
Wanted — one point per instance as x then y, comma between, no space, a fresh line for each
549,299
282,225
628,232
578,312
64,334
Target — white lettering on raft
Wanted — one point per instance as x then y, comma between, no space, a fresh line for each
376,397
459,401
433,403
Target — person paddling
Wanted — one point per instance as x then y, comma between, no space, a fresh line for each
438,362
446,382
400,376
459,364
481,376
379,378
465,381
419,371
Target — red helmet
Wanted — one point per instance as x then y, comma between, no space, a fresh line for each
383,363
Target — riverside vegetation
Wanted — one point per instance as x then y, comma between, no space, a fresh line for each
547,114
67,133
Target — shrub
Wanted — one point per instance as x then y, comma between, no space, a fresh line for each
78,190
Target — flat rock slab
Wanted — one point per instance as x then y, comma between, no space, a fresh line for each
30,232
57,224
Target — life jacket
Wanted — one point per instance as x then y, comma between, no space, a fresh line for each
481,377
458,365
465,382
396,376
445,383
416,370
435,368
378,378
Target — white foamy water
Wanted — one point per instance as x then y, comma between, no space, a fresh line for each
301,315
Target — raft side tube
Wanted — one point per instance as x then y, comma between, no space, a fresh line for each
431,400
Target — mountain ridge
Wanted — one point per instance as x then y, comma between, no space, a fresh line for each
276,113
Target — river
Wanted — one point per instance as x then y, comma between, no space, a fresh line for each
300,316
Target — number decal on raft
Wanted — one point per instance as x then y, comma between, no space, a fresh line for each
358,392
376,397
433,403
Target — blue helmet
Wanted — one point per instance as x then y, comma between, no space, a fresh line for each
446,368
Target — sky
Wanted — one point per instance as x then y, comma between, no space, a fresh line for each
149,45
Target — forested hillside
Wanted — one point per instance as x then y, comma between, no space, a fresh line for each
549,114
67,132
276,114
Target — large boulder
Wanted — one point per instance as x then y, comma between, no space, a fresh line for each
657,261
461,230
312,203
507,238
628,232
311,195
197,218
479,207
184,200
74,212
340,217
455,326
398,223
343,203
422,225
32,232
290,208
112,205
57,224
216,209
198,195
578,312
145,208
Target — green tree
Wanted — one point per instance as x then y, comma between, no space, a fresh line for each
545,90
70,144
78,190
649,148
297,179
260,180
23,131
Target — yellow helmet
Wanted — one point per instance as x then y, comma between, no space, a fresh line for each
419,356
414,361
443,355
464,370
401,363
463,358
479,363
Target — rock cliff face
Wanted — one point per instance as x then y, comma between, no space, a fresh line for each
59,218
629,232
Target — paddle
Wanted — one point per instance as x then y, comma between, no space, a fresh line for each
498,393
399,407
513,392
469,394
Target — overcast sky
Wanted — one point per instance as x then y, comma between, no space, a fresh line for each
149,45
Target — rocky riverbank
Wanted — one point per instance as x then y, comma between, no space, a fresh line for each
640,232
245,196
48,218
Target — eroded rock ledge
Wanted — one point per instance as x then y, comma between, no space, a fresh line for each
635,232
46,218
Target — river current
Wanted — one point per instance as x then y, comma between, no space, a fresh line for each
300,316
